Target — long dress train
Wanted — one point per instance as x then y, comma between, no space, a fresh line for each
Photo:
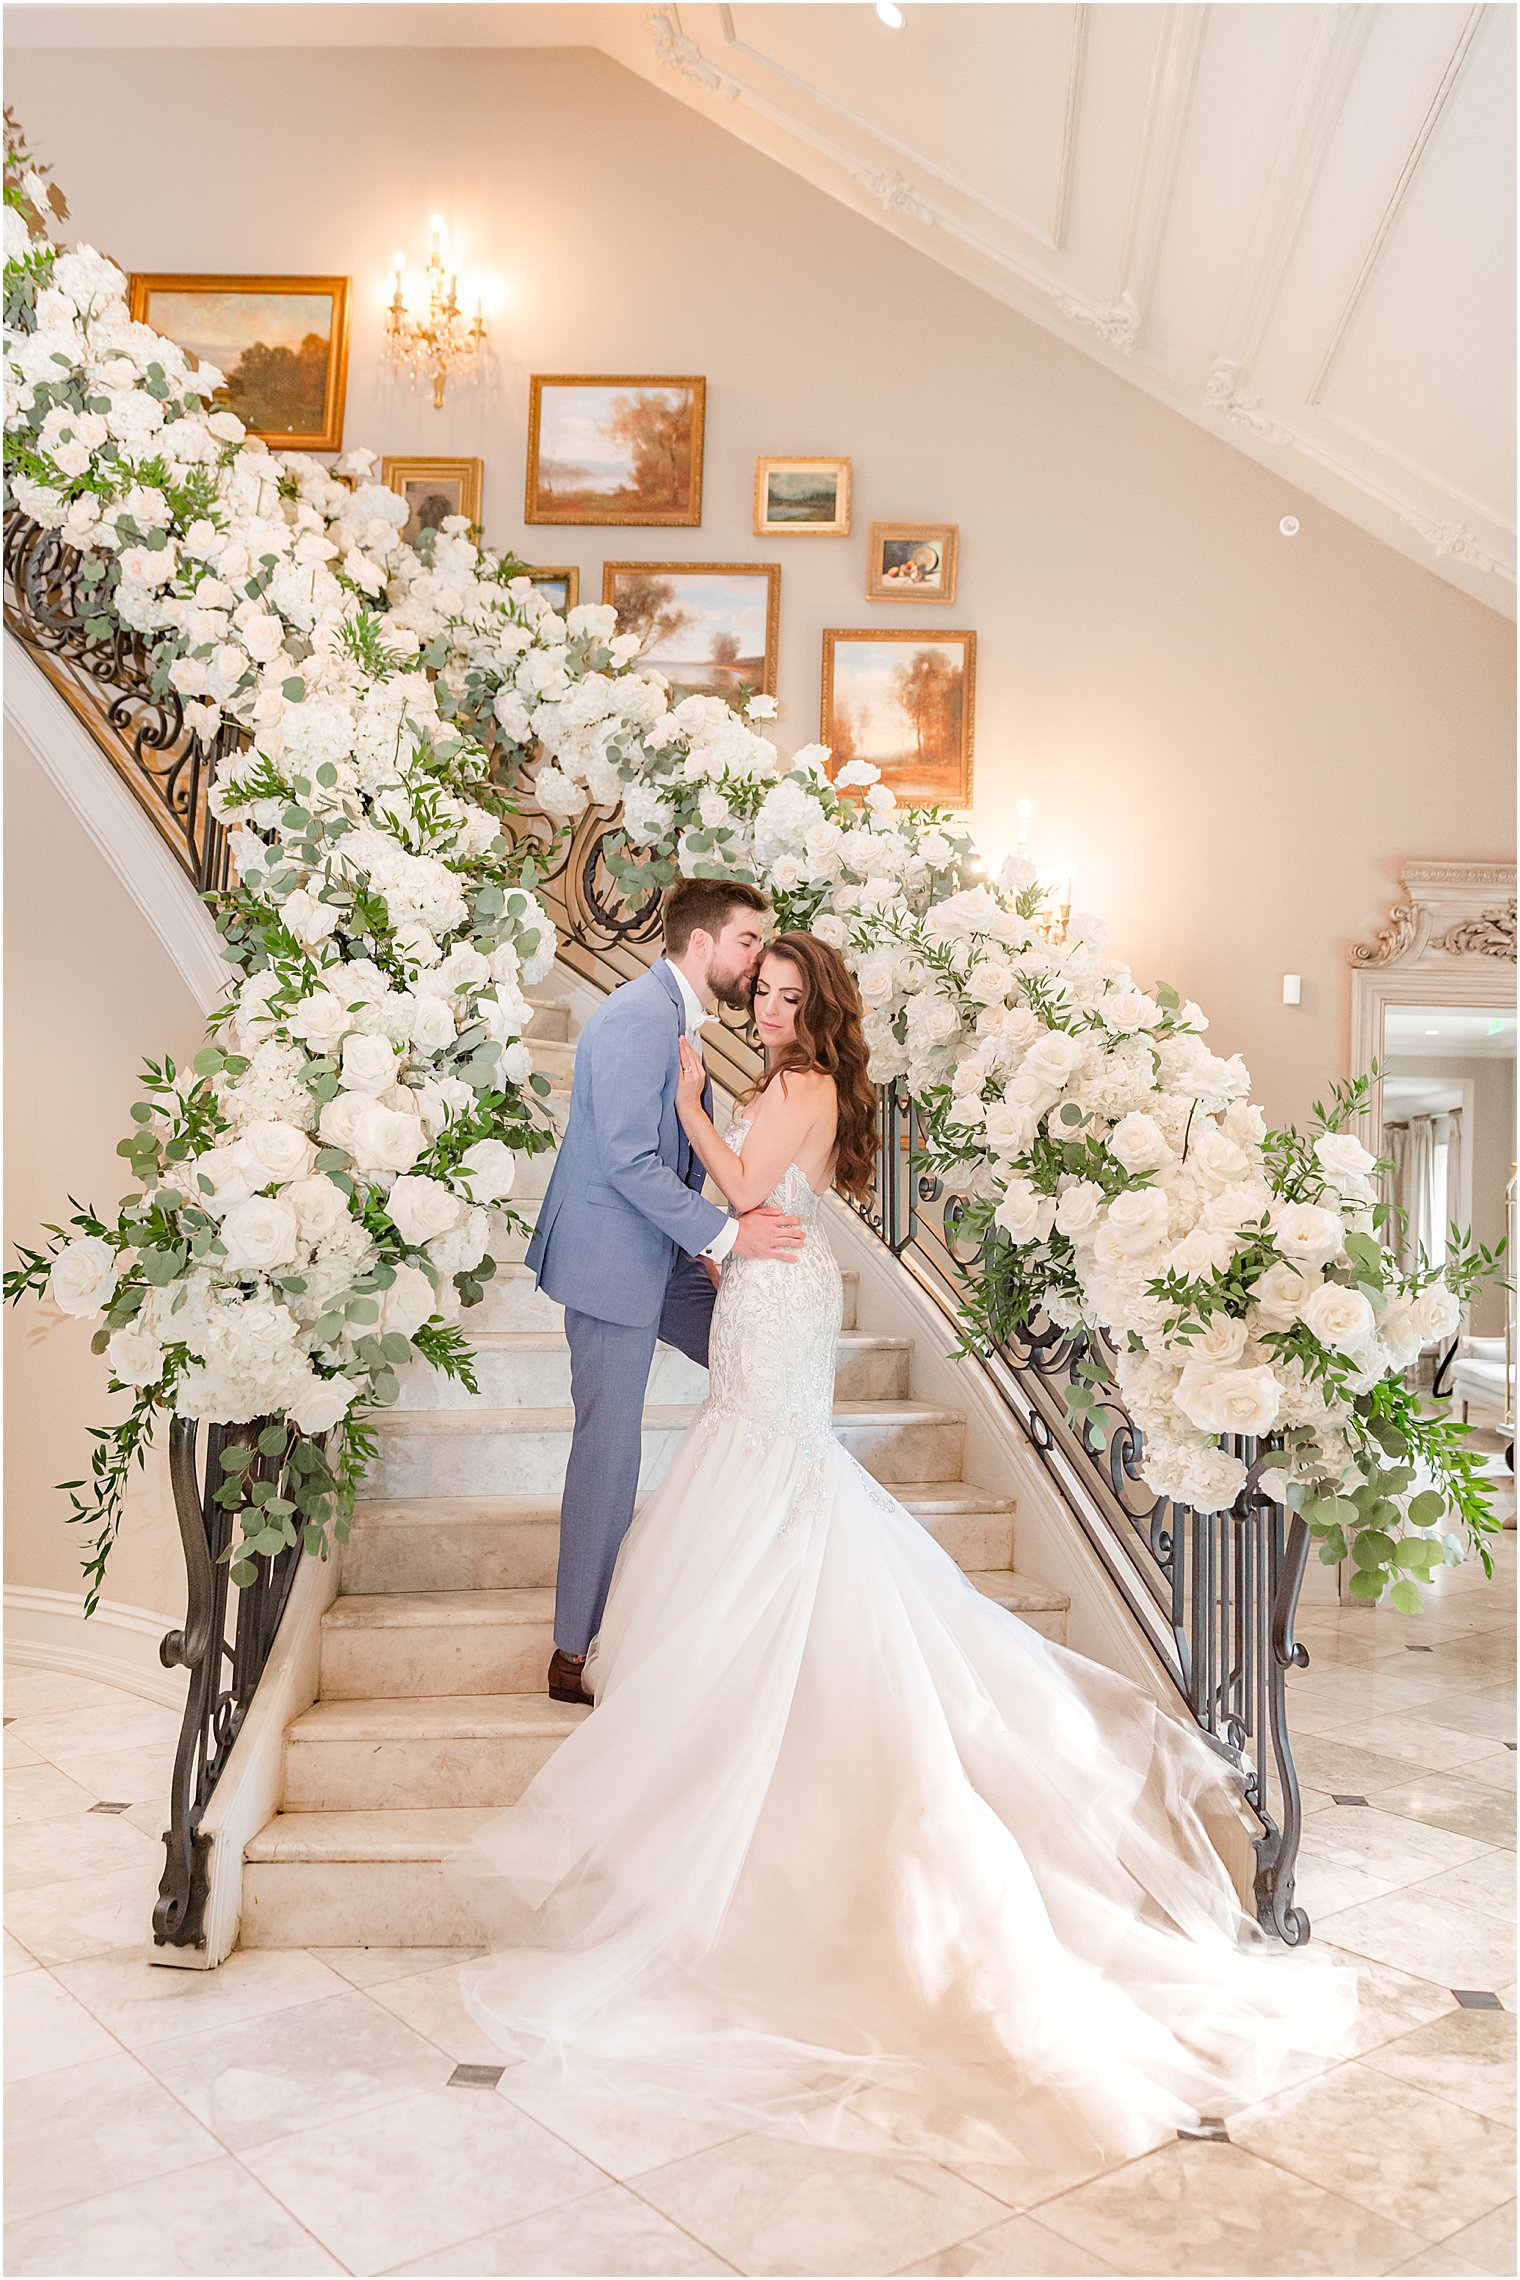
845,1842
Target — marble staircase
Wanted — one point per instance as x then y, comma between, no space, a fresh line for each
431,1711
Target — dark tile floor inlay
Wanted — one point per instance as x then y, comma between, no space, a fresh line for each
1419,1650
1337,1798
103,1807
476,2077
1477,1999
1211,2127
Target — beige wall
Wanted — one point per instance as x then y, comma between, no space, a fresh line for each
1236,738
89,992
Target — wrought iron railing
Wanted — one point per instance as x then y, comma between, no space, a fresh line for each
106,678
225,1645
1212,1595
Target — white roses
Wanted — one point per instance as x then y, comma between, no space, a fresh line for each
1339,1318
259,1235
421,1208
487,1171
1225,1400
83,1276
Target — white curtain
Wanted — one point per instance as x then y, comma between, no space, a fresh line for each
1412,1148
1395,1148
1456,1143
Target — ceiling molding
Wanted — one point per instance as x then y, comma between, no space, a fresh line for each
1401,189
1174,74
680,54
919,160
1320,98
895,192
1074,76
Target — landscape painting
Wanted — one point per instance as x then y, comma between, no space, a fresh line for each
708,627
912,562
796,496
560,585
280,342
615,451
905,701
434,489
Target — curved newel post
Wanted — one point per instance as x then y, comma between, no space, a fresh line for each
223,1626
1278,1850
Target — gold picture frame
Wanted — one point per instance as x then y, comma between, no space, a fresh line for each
809,505
201,314
546,574
864,710
639,473
427,484
908,576
716,610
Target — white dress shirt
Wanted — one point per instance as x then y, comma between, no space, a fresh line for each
696,1013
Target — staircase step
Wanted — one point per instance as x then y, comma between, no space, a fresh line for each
369,1753
358,1880
437,1643
380,1753
341,1866
480,1641
554,1058
513,1303
502,1543
531,1370
479,1451
550,1021
1040,1605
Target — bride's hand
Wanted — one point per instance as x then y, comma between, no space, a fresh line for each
691,1082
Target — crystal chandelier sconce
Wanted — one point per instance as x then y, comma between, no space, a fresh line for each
436,343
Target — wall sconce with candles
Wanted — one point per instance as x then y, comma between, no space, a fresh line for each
437,342
1053,917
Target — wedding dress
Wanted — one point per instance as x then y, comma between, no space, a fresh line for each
845,1843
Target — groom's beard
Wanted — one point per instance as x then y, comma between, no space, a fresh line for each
733,990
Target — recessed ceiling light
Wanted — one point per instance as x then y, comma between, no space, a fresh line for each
1289,526
890,14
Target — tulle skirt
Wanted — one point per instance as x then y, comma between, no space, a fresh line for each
844,1842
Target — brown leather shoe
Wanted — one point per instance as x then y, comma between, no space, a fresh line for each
566,1683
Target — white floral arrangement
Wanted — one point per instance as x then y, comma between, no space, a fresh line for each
321,1194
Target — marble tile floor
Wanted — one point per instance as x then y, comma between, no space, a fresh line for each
314,2112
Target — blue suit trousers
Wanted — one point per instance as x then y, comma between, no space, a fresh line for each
609,1375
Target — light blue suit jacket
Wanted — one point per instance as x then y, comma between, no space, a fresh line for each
624,1196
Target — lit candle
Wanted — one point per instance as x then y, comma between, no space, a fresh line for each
1066,885
1026,810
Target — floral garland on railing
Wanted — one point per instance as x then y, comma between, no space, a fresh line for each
321,1193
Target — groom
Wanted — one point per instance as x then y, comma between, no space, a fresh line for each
625,1240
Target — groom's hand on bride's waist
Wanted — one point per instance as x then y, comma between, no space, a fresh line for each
766,1233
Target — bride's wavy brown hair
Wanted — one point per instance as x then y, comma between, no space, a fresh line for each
831,1037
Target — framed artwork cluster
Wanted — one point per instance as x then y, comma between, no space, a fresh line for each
625,451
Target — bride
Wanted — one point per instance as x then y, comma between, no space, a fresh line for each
844,1844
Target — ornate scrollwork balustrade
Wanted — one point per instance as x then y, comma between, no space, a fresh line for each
107,680
1213,1595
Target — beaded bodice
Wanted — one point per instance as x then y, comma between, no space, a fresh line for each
775,1326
